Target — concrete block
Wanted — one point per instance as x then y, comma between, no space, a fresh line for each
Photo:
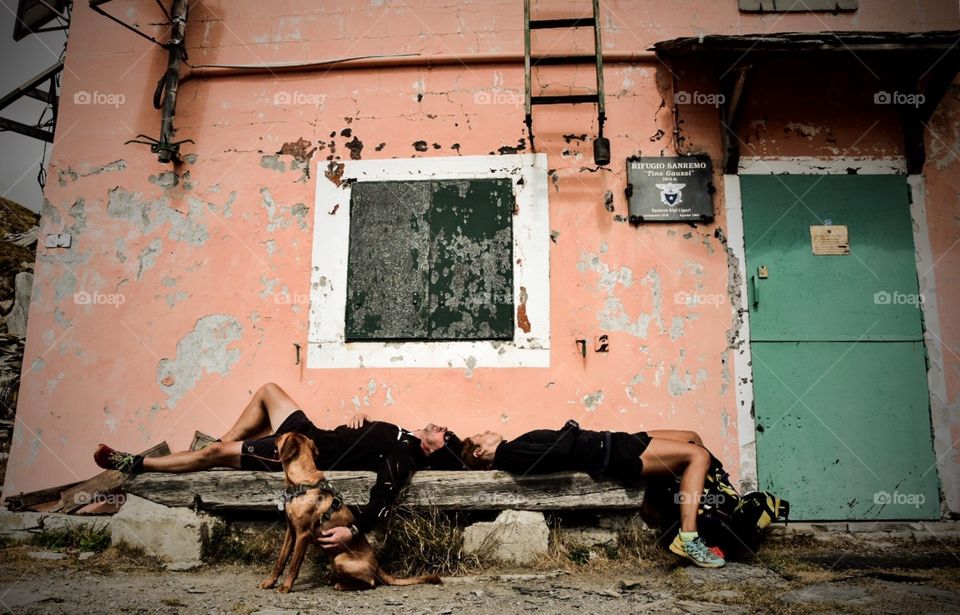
176,535
515,536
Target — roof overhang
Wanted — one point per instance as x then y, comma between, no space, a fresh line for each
928,61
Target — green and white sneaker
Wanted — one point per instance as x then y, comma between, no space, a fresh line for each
697,552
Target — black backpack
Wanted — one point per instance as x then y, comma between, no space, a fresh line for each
725,519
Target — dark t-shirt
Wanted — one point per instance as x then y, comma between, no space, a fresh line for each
393,453
547,450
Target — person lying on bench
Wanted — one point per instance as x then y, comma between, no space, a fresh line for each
390,451
622,456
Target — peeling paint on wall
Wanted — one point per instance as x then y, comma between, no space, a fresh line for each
202,350
149,216
67,175
148,257
592,400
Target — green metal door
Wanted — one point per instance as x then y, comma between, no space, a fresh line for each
839,367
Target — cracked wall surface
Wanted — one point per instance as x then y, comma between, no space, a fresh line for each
197,276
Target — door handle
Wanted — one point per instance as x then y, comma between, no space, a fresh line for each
756,291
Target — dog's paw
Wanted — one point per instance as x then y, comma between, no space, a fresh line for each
283,589
269,583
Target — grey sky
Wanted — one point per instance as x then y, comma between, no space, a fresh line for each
20,155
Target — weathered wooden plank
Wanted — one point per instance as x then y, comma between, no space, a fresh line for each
200,440
108,481
23,501
236,490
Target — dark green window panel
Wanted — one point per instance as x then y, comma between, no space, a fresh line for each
431,260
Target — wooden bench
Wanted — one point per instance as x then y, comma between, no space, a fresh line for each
228,490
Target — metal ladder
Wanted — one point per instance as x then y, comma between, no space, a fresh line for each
601,145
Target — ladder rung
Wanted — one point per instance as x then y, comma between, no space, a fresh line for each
569,99
553,60
576,22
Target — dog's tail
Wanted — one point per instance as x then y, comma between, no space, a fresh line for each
388,579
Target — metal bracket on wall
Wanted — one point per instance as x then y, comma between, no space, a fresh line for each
165,95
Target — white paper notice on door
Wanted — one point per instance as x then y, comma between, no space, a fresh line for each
829,240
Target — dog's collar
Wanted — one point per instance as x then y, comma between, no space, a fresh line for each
293,491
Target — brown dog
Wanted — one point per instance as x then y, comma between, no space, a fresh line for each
312,507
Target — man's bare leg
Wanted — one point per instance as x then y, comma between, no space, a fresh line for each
268,408
214,455
691,462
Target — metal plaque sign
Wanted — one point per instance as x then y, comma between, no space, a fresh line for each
829,240
670,189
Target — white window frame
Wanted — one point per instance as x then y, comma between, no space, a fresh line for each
327,347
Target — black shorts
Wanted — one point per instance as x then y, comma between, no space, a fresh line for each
261,453
625,464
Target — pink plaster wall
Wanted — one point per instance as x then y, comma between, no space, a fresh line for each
216,251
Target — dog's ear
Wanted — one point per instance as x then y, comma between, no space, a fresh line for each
288,445
313,448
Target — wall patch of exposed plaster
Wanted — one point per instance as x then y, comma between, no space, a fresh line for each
613,316
167,179
65,286
203,349
592,400
109,420
273,162
734,285
678,385
276,221
268,286
148,216
68,174
148,257
471,364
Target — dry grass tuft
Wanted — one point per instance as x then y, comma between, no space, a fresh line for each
427,541
235,544
632,548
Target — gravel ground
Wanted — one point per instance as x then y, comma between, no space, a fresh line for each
117,582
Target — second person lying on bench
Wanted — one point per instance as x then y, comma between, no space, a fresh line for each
625,457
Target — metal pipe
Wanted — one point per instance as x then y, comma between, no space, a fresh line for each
176,51
213,71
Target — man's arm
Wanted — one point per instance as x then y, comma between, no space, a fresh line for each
392,475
